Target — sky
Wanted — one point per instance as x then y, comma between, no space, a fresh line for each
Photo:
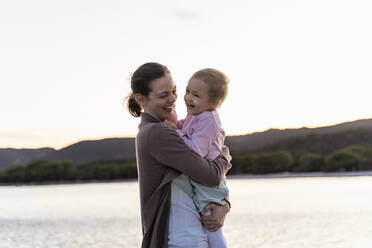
65,65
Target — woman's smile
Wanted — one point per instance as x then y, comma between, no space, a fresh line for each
170,108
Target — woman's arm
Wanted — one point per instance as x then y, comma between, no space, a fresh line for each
169,149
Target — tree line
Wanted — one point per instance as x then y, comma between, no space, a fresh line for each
352,158
41,171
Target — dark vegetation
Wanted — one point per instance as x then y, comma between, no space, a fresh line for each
44,171
352,158
343,147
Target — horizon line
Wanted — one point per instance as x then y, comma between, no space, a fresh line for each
132,137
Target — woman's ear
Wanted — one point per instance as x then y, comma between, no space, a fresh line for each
140,99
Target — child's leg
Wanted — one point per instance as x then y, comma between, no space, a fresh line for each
215,239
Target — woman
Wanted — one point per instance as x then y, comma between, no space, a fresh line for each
164,162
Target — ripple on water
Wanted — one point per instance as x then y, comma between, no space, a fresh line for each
266,213
76,232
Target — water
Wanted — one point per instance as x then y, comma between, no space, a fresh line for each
317,212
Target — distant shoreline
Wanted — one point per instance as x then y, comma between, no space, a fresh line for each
69,182
302,174
230,177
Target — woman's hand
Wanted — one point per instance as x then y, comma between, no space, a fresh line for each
226,152
214,221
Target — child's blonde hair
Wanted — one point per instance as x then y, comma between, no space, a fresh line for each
217,83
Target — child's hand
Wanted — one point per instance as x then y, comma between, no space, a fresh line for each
170,124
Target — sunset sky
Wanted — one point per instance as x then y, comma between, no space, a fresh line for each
65,65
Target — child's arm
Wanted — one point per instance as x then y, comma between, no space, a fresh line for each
205,131
170,150
174,120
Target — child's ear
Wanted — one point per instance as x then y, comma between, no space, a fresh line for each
140,99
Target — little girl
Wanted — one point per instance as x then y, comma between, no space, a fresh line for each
201,130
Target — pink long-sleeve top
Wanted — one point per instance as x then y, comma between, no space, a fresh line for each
203,133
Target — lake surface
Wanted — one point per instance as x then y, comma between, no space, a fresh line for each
332,212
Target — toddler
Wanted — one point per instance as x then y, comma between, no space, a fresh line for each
201,130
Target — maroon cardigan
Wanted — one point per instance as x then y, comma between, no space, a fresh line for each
162,156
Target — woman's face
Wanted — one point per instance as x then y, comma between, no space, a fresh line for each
160,102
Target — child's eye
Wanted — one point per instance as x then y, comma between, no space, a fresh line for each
196,95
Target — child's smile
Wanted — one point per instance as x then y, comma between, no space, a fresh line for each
197,98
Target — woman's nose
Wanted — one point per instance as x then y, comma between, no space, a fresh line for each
173,97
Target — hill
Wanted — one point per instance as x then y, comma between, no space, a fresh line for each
78,153
321,140
95,150
11,156
275,139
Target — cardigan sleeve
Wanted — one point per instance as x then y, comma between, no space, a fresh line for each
205,132
170,150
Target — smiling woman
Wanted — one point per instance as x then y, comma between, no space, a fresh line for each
160,101
165,163
157,99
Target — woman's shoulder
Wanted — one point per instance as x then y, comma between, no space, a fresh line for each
154,128
158,136
158,131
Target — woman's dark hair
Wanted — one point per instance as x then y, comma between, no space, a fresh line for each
140,83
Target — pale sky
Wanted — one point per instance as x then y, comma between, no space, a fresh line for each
65,65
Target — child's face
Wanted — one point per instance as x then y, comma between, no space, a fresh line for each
196,97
